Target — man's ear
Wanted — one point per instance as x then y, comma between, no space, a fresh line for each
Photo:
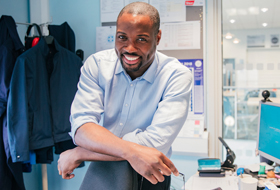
158,36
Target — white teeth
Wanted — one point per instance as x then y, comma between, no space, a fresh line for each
132,58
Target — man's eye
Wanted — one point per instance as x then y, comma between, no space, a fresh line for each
142,39
122,37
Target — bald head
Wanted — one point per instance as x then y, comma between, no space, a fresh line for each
145,9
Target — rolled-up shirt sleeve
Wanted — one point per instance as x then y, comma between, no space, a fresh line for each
87,105
170,116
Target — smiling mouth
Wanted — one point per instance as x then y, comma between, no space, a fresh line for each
131,59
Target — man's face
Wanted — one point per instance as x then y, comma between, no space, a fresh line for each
136,43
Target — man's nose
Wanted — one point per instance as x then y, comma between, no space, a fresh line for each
130,47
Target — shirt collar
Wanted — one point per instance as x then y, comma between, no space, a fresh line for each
119,67
149,75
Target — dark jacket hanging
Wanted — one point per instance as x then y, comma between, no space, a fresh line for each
64,35
10,47
42,90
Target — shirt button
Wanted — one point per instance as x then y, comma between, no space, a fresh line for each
131,84
121,124
18,156
126,104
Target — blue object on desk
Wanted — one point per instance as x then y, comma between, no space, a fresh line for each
209,165
240,171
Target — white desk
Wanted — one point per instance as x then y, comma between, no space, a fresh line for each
208,183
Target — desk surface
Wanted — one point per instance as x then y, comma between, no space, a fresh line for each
209,183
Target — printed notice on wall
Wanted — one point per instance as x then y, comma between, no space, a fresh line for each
197,99
176,36
170,11
109,10
105,37
255,41
194,126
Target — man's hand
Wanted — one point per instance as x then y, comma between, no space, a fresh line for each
71,159
67,162
151,163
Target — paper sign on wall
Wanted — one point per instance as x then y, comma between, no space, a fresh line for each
176,36
105,37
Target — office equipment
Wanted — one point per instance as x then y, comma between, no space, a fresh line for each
268,140
212,174
209,165
228,163
266,95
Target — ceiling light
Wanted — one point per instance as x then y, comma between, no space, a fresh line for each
264,9
253,10
236,41
228,36
232,21
264,24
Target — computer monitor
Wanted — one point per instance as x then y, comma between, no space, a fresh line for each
268,142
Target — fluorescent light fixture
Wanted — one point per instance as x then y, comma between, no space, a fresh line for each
253,10
232,21
236,41
264,24
228,36
264,9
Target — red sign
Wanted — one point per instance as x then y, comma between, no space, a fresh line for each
188,3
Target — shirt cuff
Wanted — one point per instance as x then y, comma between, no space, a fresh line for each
76,126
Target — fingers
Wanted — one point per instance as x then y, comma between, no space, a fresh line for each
67,175
164,170
158,176
58,168
151,178
170,166
64,175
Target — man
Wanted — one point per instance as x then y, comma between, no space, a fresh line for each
140,95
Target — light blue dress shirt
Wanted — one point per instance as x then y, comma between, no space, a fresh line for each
149,110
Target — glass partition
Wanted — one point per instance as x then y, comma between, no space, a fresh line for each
251,64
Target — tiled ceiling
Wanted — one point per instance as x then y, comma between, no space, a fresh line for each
248,15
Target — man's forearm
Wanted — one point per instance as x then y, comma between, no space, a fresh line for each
87,155
98,139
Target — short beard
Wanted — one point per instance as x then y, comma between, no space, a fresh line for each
131,70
